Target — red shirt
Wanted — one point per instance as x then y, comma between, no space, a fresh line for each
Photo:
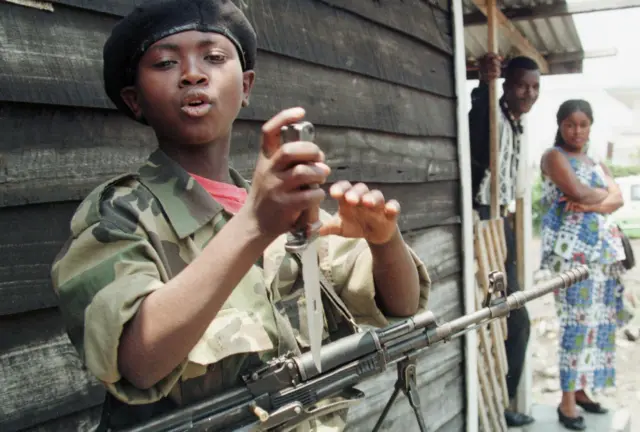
231,197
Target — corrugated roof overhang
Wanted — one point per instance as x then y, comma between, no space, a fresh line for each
547,25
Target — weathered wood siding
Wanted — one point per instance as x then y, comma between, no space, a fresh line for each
376,77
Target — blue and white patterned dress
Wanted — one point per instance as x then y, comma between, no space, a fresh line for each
590,311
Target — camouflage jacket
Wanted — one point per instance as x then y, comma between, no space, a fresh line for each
135,232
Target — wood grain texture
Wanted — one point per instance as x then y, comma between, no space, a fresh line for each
455,424
72,150
411,17
80,421
419,19
40,66
37,358
423,204
440,248
122,7
318,33
117,8
439,391
34,235
440,378
445,5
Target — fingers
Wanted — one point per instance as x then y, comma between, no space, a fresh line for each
304,174
331,227
492,55
492,59
271,129
490,65
345,191
302,199
392,209
355,194
373,199
360,194
339,189
574,207
297,152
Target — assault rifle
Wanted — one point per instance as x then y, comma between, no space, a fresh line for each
285,391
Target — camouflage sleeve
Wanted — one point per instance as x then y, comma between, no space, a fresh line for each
350,264
101,277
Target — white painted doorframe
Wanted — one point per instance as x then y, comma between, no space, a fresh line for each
464,161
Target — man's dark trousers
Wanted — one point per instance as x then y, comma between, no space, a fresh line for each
518,325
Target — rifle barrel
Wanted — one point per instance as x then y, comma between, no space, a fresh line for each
353,359
562,281
502,308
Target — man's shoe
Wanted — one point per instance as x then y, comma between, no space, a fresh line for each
515,418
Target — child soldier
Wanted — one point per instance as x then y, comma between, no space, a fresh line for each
175,279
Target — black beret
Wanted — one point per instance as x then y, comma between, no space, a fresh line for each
156,19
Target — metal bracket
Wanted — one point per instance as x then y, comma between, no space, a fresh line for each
498,286
406,383
298,240
278,372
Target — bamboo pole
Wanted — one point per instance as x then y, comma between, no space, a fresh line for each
509,31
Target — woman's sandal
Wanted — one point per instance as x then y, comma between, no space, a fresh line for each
573,423
592,407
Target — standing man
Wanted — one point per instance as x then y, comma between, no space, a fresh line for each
520,92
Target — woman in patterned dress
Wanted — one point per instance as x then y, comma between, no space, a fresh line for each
578,195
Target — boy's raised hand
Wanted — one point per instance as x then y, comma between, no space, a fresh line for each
275,200
362,213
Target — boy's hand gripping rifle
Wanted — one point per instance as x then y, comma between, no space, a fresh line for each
286,390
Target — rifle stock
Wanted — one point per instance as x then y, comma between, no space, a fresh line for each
284,391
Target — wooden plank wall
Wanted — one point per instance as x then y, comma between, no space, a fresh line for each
376,77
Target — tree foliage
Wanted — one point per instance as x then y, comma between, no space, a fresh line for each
623,171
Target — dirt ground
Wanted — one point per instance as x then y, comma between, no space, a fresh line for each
544,342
